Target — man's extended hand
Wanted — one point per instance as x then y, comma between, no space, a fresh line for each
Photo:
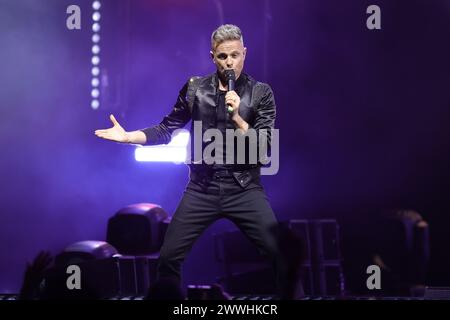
115,133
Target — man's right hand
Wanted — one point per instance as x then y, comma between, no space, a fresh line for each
115,133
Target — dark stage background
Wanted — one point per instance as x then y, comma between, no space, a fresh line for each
363,116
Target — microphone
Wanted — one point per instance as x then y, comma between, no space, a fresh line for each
230,78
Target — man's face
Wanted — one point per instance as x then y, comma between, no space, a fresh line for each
229,54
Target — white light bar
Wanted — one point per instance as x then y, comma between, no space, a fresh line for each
175,151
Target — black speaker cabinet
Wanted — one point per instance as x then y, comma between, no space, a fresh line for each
138,229
117,276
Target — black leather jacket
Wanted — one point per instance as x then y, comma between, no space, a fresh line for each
198,101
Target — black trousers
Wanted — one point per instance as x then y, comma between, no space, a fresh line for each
221,197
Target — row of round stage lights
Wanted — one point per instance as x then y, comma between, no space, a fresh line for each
95,60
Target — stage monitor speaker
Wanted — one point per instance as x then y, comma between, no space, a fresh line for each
138,229
82,251
103,278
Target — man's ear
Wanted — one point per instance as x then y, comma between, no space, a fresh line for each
245,52
212,55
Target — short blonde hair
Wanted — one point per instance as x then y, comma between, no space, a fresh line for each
224,33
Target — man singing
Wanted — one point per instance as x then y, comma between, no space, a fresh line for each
222,189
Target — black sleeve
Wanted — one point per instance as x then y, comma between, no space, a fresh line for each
176,119
265,111
265,117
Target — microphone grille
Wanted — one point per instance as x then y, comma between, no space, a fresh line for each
230,75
